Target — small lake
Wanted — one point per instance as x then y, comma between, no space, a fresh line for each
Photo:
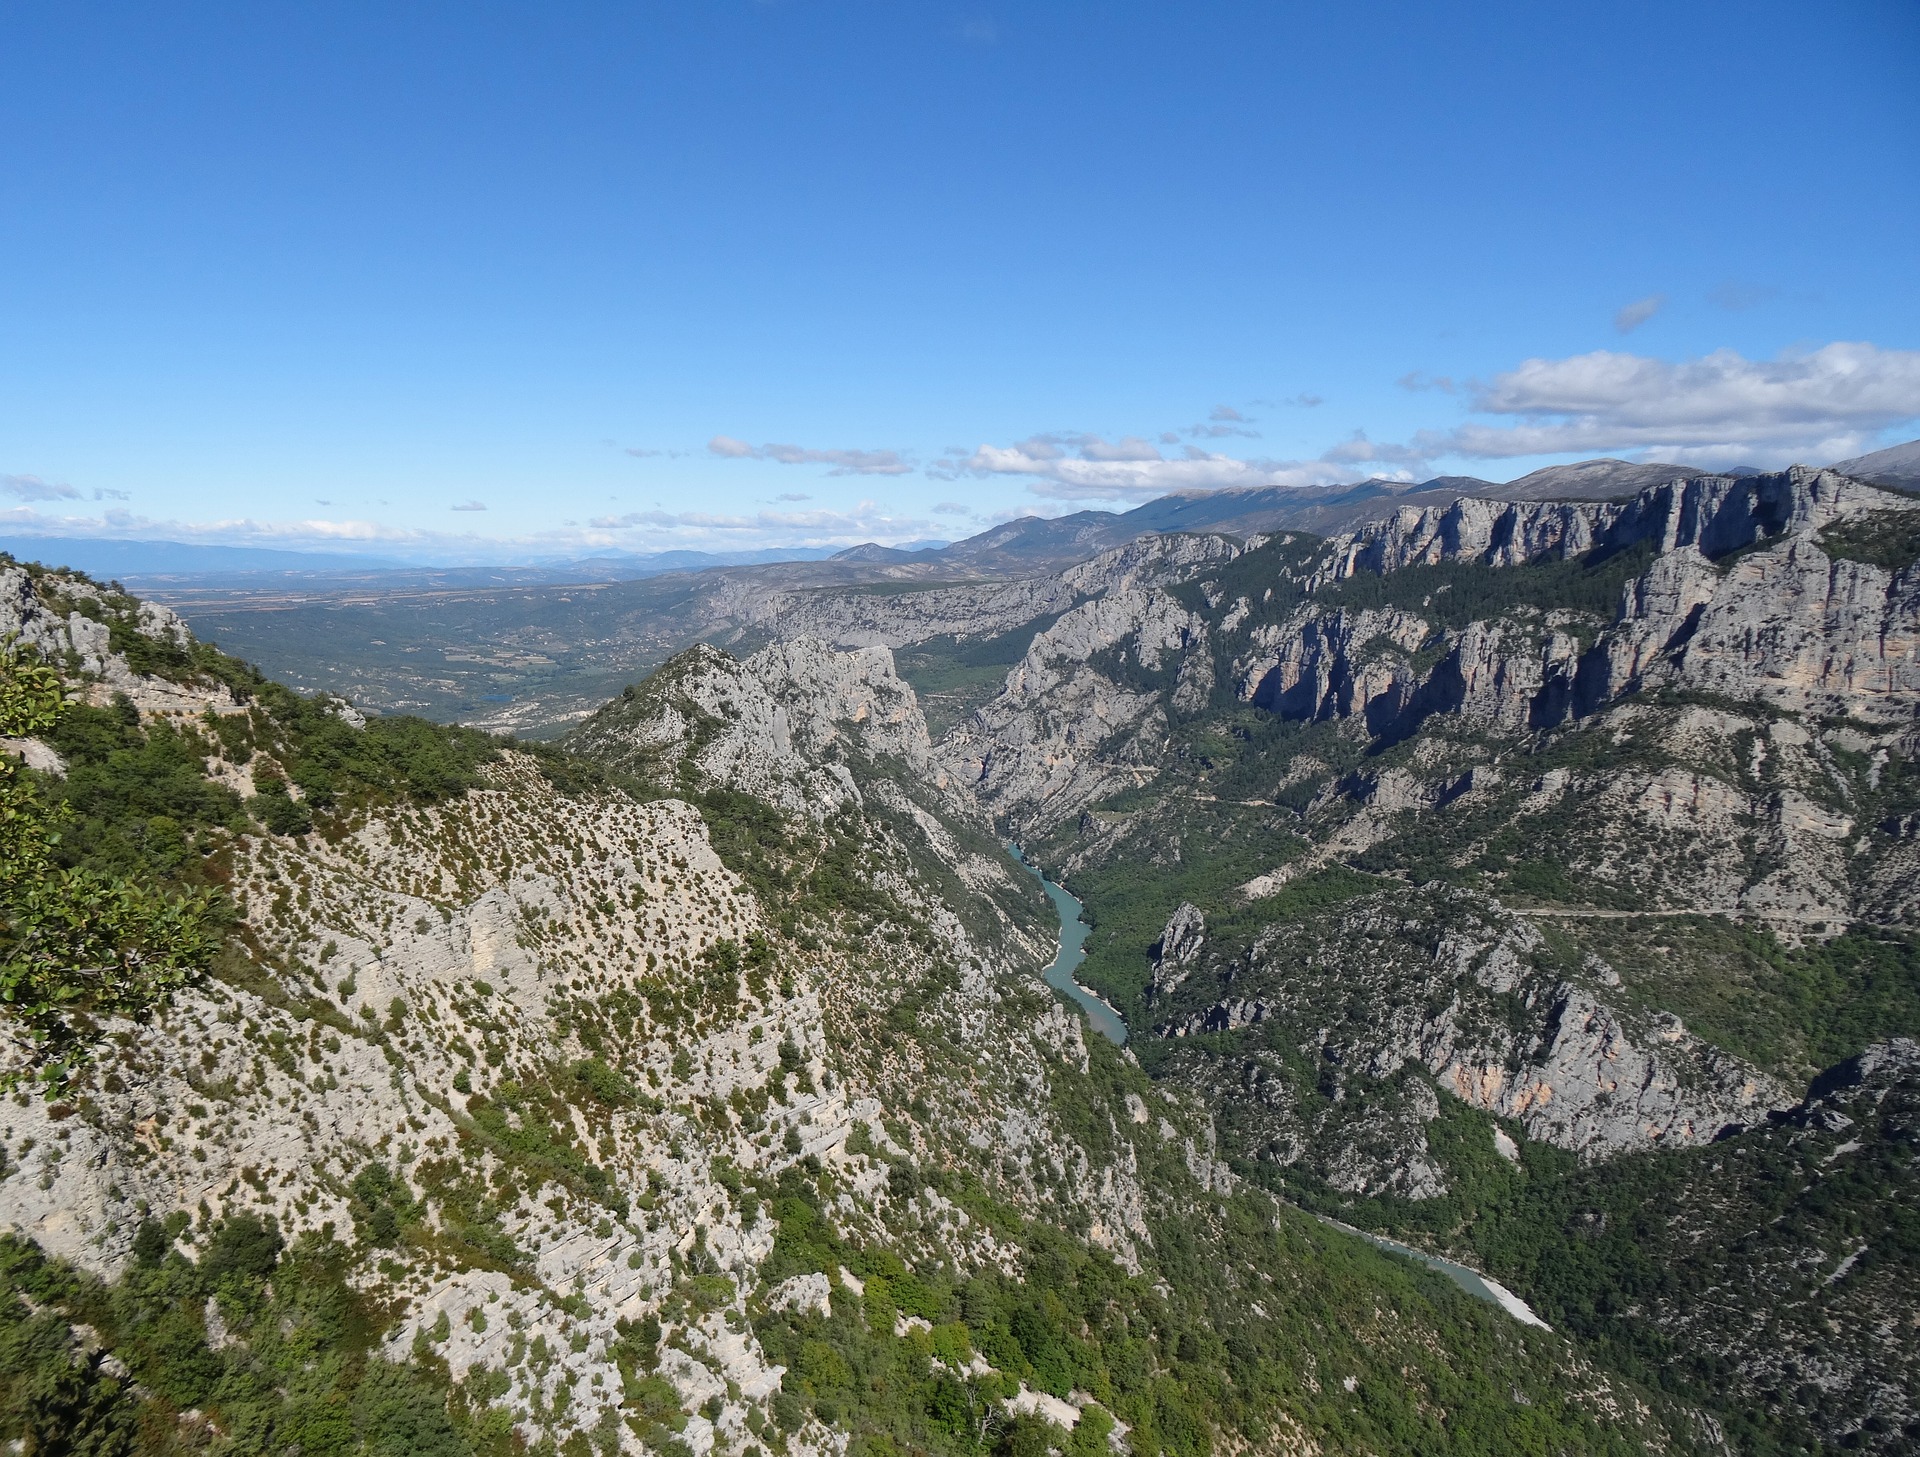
1073,951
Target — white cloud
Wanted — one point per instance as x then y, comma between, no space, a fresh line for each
1127,447
844,462
32,488
1721,409
471,506
1815,406
1638,312
1357,449
122,525
1129,469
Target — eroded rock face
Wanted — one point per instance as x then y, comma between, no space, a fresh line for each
1787,625
1790,627
778,725
1064,733
1450,990
1737,599
1714,515
1083,713
69,620
1179,946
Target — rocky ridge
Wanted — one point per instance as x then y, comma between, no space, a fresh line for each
424,979
777,726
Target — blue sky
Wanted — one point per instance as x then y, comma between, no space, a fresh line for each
728,274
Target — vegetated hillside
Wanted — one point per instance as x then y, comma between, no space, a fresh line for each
686,1090
1489,863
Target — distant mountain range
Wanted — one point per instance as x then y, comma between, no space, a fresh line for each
1035,542
1029,544
1897,466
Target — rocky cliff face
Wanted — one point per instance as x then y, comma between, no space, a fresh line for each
73,621
780,725
1705,585
1714,515
1063,732
1786,624
1443,990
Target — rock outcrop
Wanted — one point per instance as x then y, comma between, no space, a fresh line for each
1178,948
1713,515
1787,625
575,1043
1064,732
1468,997
779,725
70,620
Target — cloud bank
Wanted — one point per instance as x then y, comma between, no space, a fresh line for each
638,530
1717,410
844,462
1070,466
1814,406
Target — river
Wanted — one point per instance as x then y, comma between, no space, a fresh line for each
1073,950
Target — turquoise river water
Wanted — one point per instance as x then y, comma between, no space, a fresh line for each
1073,951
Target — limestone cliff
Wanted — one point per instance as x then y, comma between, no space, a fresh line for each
1456,990
779,725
